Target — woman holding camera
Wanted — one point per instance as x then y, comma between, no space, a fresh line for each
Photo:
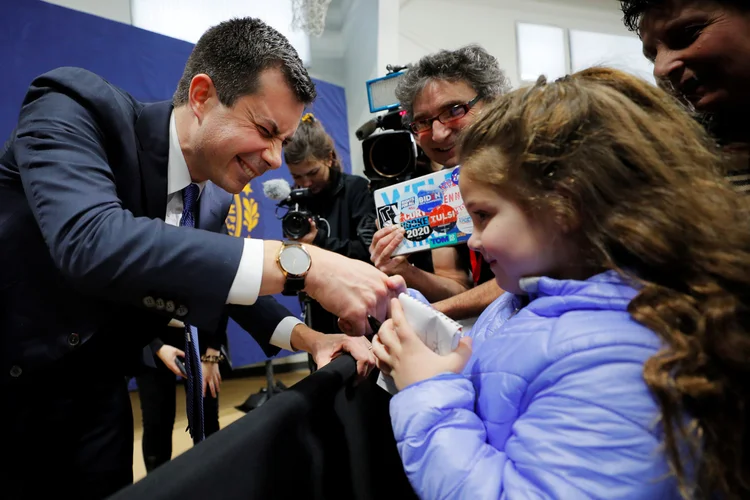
343,201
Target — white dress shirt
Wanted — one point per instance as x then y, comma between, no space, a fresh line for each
246,284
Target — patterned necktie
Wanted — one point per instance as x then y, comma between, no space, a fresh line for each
194,379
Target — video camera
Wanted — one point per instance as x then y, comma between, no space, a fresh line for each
390,155
295,223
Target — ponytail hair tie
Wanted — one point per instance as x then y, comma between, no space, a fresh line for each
308,118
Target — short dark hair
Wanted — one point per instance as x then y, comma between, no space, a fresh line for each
234,53
472,64
633,10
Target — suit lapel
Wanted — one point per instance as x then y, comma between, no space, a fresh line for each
152,129
213,207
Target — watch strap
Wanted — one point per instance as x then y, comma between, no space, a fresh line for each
293,285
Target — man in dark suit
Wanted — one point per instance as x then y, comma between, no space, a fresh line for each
92,188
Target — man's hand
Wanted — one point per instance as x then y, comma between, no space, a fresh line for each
402,354
167,355
350,289
331,346
310,236
384,242
325,348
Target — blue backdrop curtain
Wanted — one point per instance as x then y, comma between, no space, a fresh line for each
36,37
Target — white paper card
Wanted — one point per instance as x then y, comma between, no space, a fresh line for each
438,332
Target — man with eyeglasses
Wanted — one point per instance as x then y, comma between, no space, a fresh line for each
442,94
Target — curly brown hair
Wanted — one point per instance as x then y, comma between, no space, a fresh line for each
623,163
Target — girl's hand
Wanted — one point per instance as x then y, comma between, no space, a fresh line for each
402,355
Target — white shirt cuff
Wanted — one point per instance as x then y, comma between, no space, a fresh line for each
246,285
282,335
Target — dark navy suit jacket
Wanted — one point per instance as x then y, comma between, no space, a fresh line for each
87,264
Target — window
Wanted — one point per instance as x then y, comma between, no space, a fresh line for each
616,51
541,51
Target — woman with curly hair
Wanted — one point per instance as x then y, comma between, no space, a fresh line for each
617,365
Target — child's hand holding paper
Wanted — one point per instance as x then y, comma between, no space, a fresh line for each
418,343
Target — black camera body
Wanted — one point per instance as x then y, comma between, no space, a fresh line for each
296,222
392,156
389,150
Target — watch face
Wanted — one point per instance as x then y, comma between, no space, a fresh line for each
294,260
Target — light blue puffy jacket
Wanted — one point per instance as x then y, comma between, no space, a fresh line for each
551,405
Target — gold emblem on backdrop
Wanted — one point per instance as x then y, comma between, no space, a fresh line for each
243,213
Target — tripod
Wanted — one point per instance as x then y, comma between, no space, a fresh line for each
264,394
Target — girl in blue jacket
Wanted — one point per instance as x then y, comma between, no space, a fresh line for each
616,366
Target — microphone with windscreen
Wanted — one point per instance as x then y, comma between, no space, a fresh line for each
367,129
277,189
296,222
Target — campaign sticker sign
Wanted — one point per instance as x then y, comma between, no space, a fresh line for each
428,199
408,204
417,229
388,215
443,240
454,176
452,197
430,209
405,216
465,224
443,218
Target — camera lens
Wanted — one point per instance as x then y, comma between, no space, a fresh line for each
391,154
295,225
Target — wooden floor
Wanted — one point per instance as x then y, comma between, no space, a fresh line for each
233,393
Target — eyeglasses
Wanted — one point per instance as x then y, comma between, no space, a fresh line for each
449,115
